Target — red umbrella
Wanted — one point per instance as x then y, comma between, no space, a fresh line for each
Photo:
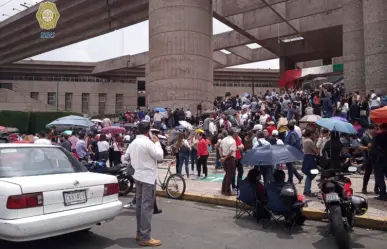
113,130
379,116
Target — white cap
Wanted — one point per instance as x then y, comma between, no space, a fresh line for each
274,133
258,127
373,95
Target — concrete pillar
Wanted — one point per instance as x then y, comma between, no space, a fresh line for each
375,44
286,64
353,45
180,70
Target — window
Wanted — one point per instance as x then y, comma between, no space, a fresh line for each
141,101
85,102
6,86
19,161
35,95
140,85
119,100
101,103
51,98
68,101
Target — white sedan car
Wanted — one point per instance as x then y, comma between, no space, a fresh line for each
45,192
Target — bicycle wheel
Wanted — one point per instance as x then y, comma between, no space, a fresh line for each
175,186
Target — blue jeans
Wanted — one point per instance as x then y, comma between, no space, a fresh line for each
381,172
217,163
308,184
292,171
194,159
183,158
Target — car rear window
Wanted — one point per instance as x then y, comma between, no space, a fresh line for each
30,161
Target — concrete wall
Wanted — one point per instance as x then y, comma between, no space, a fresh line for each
24,89
15,101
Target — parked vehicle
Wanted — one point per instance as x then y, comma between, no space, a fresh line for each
46,192
340,203
125,180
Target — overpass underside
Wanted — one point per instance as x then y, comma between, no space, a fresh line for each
183,52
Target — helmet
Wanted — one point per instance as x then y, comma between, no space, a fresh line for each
144,127
359,204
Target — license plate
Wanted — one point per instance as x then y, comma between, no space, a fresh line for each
74,197
331,197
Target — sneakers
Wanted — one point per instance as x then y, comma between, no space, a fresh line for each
152,242
129,205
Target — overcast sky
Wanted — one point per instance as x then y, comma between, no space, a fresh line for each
130,40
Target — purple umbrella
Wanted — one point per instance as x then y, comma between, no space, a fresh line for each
340,118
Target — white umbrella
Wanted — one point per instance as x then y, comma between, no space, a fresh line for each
97,121
310,118
186,125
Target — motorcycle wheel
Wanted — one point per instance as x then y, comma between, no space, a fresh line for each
125,187
338,227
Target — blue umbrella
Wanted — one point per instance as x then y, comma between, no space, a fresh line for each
272,155
336,125
71,121
340,118
160,109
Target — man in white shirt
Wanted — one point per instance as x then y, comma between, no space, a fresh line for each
188,114
144,153
227,153
43,140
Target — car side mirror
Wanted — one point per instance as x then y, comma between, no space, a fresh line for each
352,169
314,171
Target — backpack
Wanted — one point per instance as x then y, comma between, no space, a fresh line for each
298,140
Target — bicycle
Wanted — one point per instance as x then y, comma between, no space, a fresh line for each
171,184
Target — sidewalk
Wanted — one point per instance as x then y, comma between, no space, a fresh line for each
210,188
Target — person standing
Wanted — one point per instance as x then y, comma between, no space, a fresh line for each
366,143
238,157
294,140
379,153
144,153
202,153
309,162
43,139
228,153
193,142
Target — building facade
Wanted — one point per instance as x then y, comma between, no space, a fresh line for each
70,86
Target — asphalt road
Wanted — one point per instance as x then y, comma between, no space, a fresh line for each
194,225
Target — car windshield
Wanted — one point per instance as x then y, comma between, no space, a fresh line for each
31,161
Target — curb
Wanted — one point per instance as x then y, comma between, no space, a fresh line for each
368,222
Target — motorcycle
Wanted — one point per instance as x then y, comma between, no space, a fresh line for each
125,180
340,203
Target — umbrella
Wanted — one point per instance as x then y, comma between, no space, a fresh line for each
97,121
8,129
160,109
310,118
199,131
272,155
336,125
230,112
379,116
113,130
71,121
186,125
340,118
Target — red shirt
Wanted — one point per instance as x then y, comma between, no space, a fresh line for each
270,129
238,154
203,147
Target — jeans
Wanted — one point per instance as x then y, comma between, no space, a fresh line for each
367,174
239,168
380,173
292,171
202,162
183,158
308,184
218,164
194,159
